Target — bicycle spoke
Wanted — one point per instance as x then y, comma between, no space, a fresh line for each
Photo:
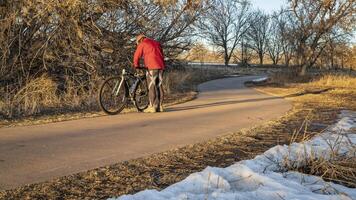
112,98
113,89
141,96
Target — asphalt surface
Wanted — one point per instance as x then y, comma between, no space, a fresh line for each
38,153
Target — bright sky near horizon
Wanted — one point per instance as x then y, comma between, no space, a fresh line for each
268,5
271,5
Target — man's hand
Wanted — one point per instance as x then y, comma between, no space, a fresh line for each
139,70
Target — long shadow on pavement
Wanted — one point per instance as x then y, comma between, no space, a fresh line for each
244,101
219,104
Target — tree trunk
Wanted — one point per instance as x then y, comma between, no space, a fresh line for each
275,61
242,52
303,70
226,61
226,55
261,58
332,60
3,2
286,60
342,62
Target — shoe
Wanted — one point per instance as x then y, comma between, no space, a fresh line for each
160,109
150,109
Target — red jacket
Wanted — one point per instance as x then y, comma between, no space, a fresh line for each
152,53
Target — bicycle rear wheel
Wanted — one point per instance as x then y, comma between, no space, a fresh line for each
113,95
141,96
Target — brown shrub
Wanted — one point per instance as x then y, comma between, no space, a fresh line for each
80,96
175,81
74,42
339,81
289,76
36,96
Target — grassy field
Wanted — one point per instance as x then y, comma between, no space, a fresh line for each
334,92
316,104
323,97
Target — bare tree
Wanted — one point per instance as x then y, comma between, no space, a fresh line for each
284,25
334,53
275,39
78,37
170,22
224,25
245,54
313,21
258,33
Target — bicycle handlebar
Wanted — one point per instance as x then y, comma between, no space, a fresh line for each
129,72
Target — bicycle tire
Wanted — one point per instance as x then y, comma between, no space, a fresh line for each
141,96
108,101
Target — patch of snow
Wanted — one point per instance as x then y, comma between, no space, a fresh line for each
259,80
264,177
233,75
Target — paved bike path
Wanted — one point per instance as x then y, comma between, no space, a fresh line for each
38,153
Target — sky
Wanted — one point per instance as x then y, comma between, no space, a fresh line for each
268,5
271,5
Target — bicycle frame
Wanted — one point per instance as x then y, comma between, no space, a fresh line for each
125,76
128,86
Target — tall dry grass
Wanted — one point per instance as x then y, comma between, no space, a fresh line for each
35,95
31,98
335,166
335,81
43,96
177,81
286,77
336,92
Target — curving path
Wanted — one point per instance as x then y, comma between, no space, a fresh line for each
38,153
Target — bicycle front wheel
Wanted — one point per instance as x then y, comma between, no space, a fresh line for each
141,96
113,95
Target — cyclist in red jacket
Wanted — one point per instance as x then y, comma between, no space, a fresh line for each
152,53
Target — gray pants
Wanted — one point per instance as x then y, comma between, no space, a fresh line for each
155,89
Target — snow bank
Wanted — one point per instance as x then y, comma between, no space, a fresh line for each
260,80
264,177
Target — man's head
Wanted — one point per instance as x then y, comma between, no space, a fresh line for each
140,38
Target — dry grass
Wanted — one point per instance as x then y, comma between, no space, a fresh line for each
338,169
43,96
36,95
286,76
336,91
321,95
335,81
335,166
177,81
